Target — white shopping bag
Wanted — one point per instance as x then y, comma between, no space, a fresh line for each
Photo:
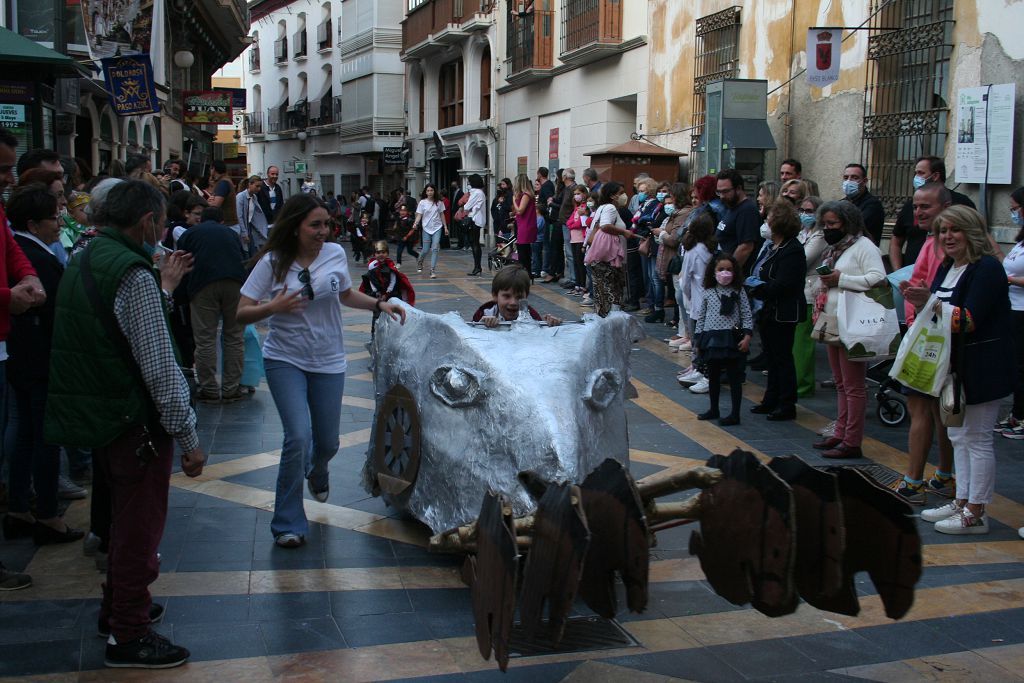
868,326
922,361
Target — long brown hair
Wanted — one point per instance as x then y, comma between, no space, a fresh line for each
283,242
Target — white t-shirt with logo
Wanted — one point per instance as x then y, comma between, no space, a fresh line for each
310,339
1014,265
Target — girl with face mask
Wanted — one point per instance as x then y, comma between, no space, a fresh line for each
577,223
723,331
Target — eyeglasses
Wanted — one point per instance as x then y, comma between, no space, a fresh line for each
307,288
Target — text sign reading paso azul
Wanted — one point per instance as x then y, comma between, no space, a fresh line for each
207,106
130,84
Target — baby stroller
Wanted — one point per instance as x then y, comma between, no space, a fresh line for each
503,254
892,405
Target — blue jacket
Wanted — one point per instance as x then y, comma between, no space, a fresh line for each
983,292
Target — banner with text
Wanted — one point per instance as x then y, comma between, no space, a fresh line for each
207,106
823,51
984,134
130,84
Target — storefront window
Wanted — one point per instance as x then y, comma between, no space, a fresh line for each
74,26
35,20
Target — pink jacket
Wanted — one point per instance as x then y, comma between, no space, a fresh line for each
925,268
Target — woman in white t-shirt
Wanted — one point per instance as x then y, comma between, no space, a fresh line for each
297,283
430,217
476,211
1012,426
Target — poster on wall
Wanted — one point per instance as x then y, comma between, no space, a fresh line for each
984,134
116,26
206,106
553,153
824,49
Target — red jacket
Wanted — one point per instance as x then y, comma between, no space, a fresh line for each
384,287
14,267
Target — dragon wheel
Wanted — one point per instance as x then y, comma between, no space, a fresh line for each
397,439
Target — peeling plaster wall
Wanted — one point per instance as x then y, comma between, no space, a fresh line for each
823,126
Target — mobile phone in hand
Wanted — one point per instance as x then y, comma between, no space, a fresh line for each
823,270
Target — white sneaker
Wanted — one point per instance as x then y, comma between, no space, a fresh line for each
940,513
69,490
419,268
700,387
962,523
692,376
676,343
433,275
586,301
687,345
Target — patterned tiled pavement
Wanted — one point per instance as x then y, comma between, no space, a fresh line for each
364,601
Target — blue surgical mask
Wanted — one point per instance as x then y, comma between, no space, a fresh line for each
807,219
850,187
919,182
1017,217
641,196
670,209
661,196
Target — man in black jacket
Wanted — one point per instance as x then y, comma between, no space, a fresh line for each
855,189
271,196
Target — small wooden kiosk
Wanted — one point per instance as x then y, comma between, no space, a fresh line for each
624,162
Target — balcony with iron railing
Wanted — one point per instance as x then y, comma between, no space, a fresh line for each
299,41
296,117
275,118
254,59
531,44
591,29
252,123
281,51
321,112
324,32
437,23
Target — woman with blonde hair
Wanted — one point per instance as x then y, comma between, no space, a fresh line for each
524,208
795,191
972,286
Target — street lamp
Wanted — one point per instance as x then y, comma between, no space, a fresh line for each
184,58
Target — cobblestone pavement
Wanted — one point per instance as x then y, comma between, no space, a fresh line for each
363,600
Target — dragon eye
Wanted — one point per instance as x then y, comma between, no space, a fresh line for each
602,388
456,386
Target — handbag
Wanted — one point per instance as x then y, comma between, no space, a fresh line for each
922,360
952,401
645,246
826,329
868,325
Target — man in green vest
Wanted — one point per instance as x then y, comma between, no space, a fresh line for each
116,388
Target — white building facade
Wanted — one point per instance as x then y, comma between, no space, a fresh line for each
573,79
324,89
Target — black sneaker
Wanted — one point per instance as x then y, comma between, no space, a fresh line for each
151,651
156,613
13,581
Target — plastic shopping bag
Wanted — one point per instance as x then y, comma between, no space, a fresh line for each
868,326
922,361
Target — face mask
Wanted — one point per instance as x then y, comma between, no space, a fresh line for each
622,200
850,187
724,277
661,196
578,198
919,182
590,204
834,236
1017,217
807,219
766,232
641,196
669,209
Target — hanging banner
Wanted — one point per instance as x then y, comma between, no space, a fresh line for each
206,106
115,27
984,134
130,84
823,51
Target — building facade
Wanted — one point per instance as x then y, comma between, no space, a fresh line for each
895,98
324,89
77,117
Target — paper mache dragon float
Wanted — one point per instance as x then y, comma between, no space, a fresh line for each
512,443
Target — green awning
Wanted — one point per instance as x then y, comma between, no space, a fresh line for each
34,60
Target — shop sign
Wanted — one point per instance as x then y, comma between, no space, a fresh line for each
207,106
12,113
16,91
